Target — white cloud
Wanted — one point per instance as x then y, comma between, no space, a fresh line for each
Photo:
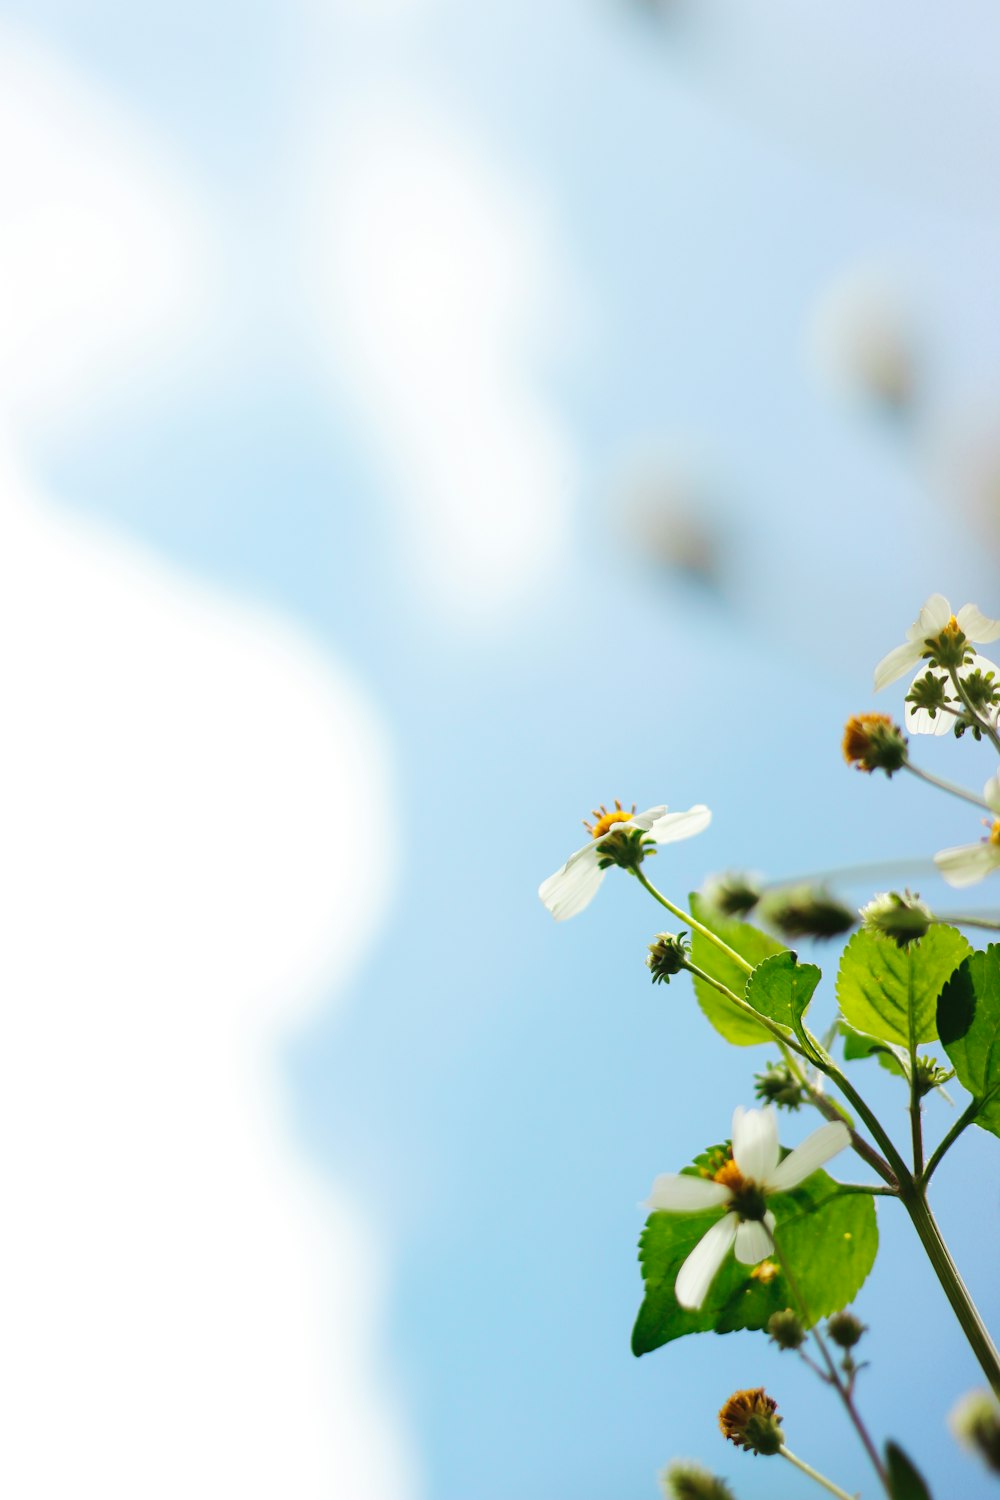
182,782
436,277
186,1310
103,254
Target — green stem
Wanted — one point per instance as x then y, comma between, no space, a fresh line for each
984,724
899,1171
833,1374
694,924
966,1118
958,920
744,1007
828,1484
945,786
965,1310
916,1127
829,1111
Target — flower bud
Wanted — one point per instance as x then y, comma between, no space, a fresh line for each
806,911
667,956
732,894
902,918
785,1330
688,1481
975,1421
778,1085
872,742
930,1075
750,1420
845,1329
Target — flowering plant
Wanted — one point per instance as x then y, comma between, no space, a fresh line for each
749,1236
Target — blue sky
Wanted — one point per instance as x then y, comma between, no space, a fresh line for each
612,225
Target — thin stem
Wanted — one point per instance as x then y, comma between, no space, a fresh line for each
959,920
954,1287
744,1007
694,924
833,1374
965,1119
916,1127
984,724
829,1111
899,1172
945,786
828,1484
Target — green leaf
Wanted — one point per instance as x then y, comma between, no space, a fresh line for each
905,1482
857,1046
751,944
887,991
829,1240
781,988
968,1016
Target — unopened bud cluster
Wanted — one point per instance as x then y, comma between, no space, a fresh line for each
785,1329
872,742
667,956
806,911
732,894
688,1481
779,1086
975,1421
904,918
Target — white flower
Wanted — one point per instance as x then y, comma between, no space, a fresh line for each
933,621
575,885
966,864
742,1186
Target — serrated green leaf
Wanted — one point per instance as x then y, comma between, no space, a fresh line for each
885,991
829,1240
968,1017
751,944
781,988
905,1481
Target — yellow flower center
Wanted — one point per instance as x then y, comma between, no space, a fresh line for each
995,832
731,1177
605,820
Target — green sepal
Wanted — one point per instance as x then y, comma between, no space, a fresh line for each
781,989
905,1480
751,944
829,1239
885,991
968,1017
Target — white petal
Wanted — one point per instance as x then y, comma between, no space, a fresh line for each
755,1142
968,863
815,1151
681,825
976,625
573,887
645,820
932,618
678,1193
897,663
753,1241
699,1270
991,792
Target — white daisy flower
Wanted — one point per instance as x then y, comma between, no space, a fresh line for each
575,885
933,627
742,1186
966,864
